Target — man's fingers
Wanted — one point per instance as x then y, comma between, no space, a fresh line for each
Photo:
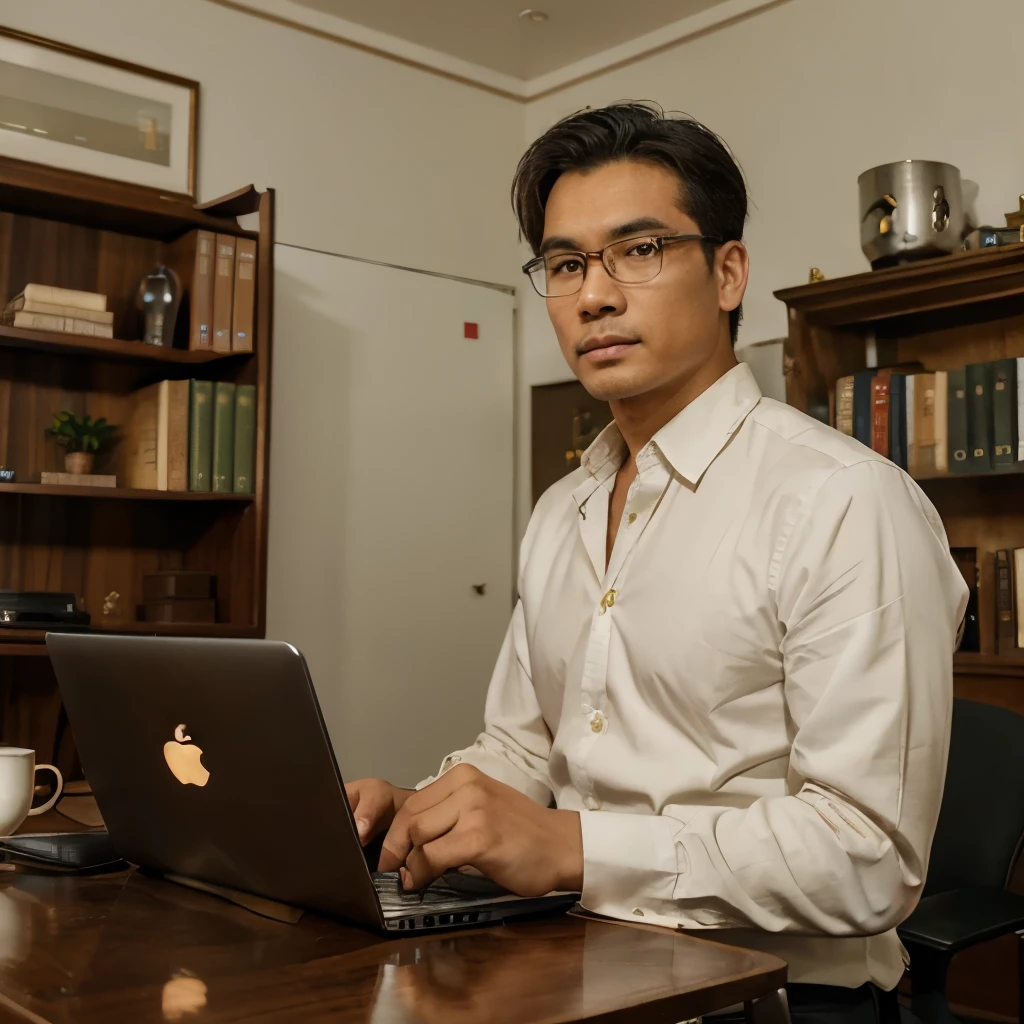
429,862
410,830
371,807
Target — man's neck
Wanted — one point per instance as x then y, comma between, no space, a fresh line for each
640,418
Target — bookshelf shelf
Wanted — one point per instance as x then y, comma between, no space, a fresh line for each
106,348
943,314
117,493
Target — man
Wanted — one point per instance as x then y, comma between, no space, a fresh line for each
723,701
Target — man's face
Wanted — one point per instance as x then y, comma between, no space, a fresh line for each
624,340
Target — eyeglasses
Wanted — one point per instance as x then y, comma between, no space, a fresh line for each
629,261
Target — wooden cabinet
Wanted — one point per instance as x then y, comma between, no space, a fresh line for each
943,313
74,231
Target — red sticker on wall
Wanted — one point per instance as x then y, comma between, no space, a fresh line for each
471,331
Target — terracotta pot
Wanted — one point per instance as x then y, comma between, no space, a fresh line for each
78,462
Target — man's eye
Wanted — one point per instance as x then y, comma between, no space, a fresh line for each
642,249
568,265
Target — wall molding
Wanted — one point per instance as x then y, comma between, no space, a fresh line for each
295,16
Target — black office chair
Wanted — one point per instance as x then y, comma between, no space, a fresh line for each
977,843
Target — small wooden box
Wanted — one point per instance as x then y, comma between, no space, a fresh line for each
178,584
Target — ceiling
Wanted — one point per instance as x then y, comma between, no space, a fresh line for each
491,33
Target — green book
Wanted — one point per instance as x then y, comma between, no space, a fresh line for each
957,413
979,417
200,435
223,437
1004,413
245,439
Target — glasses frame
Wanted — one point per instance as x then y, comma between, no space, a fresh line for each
662,241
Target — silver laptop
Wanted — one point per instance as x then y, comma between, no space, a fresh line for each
210,761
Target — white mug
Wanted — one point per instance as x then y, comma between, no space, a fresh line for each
17,786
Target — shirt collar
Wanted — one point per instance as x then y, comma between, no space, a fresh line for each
690,441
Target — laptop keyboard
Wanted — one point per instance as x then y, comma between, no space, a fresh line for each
453,891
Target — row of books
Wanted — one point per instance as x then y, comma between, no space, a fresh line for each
193,435
969,420
1009,600
218,279
42,307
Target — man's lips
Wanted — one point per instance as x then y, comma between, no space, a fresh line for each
607,347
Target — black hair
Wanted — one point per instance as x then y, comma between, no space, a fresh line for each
712,189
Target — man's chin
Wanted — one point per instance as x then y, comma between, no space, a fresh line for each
612,383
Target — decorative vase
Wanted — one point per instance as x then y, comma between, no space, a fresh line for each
78,462
157,301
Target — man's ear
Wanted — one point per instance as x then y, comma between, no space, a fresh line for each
732,268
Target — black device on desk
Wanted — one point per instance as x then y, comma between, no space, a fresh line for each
28,609
210,761
77,852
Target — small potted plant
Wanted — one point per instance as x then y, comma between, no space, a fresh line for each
81,438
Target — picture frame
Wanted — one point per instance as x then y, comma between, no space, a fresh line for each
79,111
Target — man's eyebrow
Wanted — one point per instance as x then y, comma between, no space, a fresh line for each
633,227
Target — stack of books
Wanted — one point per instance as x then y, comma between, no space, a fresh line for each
192,435
41,307
1009,600
218,280
950,422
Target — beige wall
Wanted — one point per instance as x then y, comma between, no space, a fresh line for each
808,95
369,157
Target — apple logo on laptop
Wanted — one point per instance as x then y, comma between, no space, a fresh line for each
184,759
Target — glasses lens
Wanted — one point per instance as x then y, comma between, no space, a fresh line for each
634,260
560,274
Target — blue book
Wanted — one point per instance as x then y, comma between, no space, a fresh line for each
862,406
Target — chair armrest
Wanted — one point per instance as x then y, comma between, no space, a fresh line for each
950,921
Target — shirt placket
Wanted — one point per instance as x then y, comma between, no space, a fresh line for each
643,498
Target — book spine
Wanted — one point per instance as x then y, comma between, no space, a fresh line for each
243,315
1018,594
223,437
909,422
92,316
941,421
1004,413
979,417
202,292
957,405
1006,627
880,412
862,406
898,419
245,439
844,405
65,297
223,289
1020,409
200,435
163,412
177,435
61,324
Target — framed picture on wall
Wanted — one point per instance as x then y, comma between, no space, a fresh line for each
80,111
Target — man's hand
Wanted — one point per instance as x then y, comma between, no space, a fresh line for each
374,805
466,819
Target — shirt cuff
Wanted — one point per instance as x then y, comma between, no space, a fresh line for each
498,767
630,865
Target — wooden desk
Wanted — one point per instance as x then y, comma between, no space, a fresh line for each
136,949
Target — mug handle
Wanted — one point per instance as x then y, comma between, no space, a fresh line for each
56,796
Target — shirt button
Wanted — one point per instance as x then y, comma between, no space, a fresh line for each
597,722
607,601
632,518
450,762
592,803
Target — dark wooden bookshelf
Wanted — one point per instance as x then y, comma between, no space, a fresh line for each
76,231
943,313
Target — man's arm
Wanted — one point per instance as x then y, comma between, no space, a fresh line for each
870,601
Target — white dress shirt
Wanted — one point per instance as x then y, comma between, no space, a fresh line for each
749,705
